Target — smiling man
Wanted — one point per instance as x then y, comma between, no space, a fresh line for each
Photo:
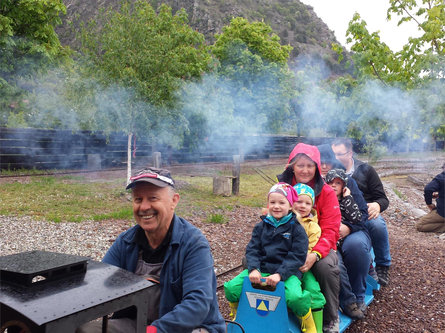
167,248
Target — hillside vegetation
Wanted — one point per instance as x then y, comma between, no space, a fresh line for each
294,22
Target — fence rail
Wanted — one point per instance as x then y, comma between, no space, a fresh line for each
63,149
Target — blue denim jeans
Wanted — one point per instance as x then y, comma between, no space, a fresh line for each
346,295
380,241
354,258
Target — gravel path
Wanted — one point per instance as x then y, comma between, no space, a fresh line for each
91,239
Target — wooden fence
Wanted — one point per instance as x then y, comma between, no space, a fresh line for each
63,149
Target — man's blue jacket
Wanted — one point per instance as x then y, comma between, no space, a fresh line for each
188,282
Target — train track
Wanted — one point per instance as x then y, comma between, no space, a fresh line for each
222,274
182,169
57,173
385,167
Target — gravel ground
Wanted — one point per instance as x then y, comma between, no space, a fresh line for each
412,302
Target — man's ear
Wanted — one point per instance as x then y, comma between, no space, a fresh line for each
175,200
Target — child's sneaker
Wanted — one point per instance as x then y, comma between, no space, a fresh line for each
383,274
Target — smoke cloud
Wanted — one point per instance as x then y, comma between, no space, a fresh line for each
216,115
399,119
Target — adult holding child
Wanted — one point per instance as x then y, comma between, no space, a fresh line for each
304,167
355,243
354,248
371,186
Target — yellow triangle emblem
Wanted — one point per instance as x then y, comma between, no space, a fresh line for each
262,307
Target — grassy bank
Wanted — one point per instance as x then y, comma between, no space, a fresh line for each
76,198
79,197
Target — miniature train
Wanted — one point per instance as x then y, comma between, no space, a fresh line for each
263,311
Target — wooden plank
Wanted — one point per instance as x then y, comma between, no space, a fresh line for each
416,181
47,151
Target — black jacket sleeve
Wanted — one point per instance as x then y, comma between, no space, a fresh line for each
370,184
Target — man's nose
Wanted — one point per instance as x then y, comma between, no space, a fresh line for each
145,204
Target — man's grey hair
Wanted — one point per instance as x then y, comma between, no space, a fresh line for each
171,190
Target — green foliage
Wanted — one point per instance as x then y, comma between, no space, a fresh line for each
140,60
151,53
400,194
408,102
256,36
32,23
253,65
123,214
29,45
421,59
66,199
76,198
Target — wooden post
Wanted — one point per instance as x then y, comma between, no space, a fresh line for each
94,162
221,186
236,170
241,154
130,136
157,161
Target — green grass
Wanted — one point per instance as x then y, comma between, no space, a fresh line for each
33,171
216,218
76,199
57,199
198,195
400,194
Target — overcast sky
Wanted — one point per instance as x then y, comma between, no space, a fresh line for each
337,14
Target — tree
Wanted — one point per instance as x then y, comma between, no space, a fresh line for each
253,65
147,57
394,109
424,54
152,53
421,59
258,37
29,45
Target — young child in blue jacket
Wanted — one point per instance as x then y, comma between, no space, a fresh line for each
276,251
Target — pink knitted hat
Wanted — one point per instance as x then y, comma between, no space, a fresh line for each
286,190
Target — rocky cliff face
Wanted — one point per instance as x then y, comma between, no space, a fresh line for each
295,23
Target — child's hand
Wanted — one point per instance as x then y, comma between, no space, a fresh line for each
272,280
255,277
346,191
264,211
